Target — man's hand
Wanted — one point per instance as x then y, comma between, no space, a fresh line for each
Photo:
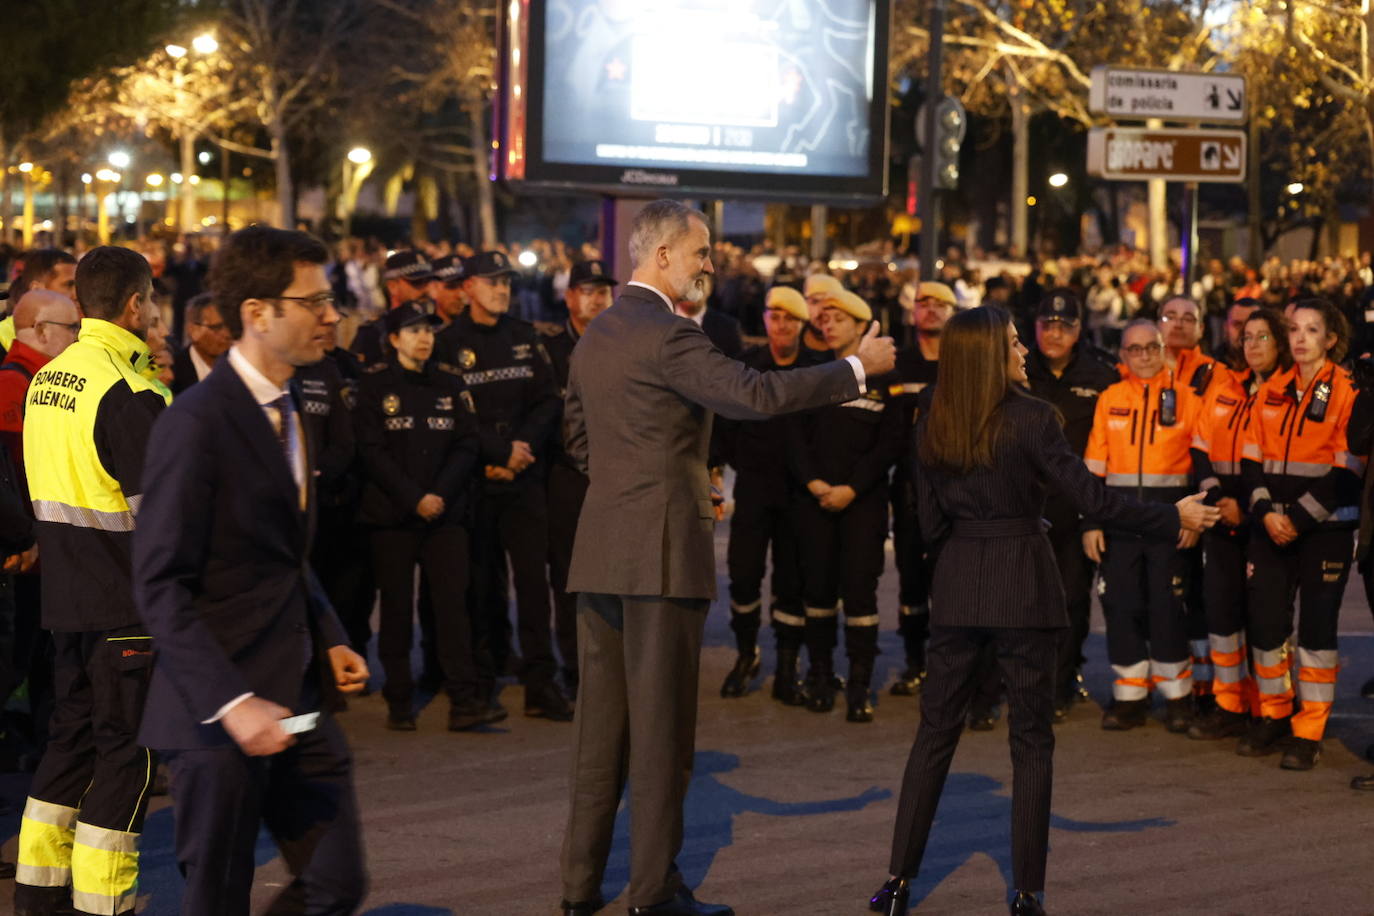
430,507
350,670
495,473
1280,528
818,488
255,726
521,456
837,499
1094,544
878,354
1231,514
1193,515
1187,540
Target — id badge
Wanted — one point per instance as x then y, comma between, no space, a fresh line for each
1168,407
1321,397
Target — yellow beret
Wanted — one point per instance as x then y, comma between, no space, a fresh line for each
788,300
938,291
851,304
824,283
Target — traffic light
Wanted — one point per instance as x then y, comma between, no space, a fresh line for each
950,124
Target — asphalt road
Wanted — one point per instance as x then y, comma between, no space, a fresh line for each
791,812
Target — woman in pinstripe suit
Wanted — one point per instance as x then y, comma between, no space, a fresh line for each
986,455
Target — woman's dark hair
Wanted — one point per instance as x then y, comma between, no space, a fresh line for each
1336,323
106,278
966,411
39,264
1278,330
258,263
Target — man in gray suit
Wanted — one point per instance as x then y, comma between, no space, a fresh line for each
642,389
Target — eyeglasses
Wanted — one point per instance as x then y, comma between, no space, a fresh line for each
1181,319
1143,349
1255,338
317,304
73,328
216,328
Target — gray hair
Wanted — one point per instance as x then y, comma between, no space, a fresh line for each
1139,323
660,223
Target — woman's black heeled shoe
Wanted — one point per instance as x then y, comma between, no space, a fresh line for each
892,898
1026,904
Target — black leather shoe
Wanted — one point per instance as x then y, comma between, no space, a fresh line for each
1219,723
1124,715
745,670
400,719
908,683
892,898
583,907
1025,904
682,904
1179,715
547,702
821,694
983,720
474,714
1367,689
1362,783
860,709
1062,707
1264,737
1302,754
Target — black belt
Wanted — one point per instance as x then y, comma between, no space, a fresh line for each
998,528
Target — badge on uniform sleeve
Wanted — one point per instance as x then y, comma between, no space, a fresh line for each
521,351
445,403
467,401
391,405
466,358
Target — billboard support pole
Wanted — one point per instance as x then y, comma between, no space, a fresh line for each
820,216
927,197
1190,197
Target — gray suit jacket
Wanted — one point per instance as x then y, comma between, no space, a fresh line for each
641,392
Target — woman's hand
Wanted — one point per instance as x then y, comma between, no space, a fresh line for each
1094,544
1280,528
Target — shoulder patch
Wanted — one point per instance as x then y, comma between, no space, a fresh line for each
549,329
449,368
374,368
1119,411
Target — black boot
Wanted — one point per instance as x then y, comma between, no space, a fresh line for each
1124,715
913,628
787,687
892,898
745,670
820,684
1026,904
1179,715
856,693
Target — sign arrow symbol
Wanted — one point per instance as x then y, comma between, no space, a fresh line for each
1233,99
1230,157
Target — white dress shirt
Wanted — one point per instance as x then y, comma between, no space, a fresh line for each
201,366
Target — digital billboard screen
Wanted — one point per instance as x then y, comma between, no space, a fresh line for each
761,98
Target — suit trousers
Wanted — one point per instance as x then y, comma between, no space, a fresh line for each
1026,658
636,718
303,795
567,491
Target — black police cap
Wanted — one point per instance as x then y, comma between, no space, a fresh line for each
408,265
488,264
590,272
449,268
413,311
1060,304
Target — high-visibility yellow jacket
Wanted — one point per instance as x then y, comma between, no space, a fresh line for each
88,419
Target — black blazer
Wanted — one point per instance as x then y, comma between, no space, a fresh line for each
994,566
220,566
183,370
724,331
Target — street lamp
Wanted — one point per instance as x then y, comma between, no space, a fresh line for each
155,180
357,165
26,167
203,157
119,159
1058,180
1294,189
176,51
359,154
528,258
205,44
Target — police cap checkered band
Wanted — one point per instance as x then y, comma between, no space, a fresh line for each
488,264
408,265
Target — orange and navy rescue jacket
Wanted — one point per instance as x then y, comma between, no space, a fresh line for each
1296,459
1219,439
1132,445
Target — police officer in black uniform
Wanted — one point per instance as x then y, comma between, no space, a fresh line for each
840,457
1070,373
419,442
340,555
507,370
589,294
408,276
930,307
764,493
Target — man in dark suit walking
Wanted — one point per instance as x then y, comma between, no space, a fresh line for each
250,656
642,389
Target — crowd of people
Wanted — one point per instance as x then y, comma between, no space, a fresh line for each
435,423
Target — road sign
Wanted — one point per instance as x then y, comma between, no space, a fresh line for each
1167,94
1173,154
